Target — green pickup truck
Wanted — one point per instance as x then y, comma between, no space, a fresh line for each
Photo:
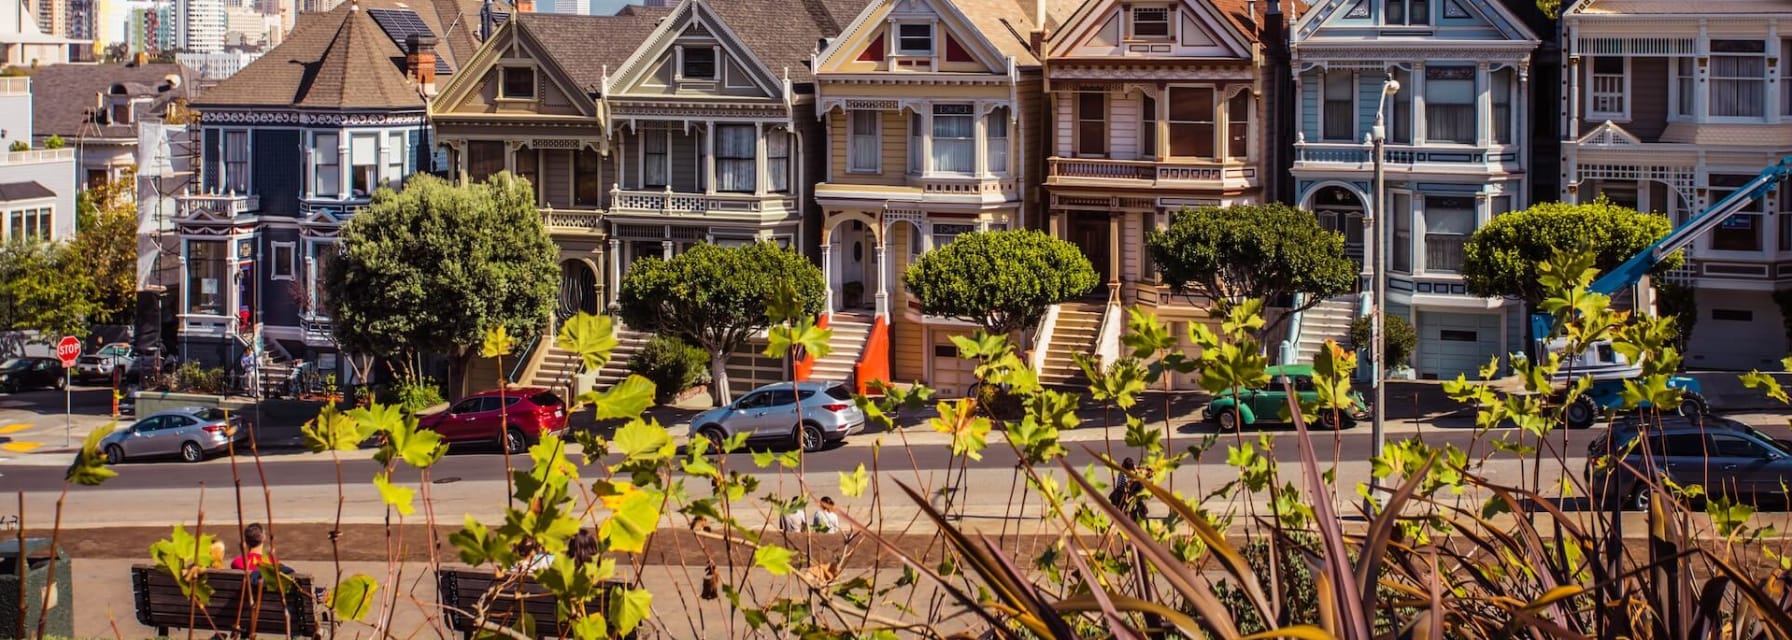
1270,404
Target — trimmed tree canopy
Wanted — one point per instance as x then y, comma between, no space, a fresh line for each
1501,258
1001,280
1263,251
432,267
715,297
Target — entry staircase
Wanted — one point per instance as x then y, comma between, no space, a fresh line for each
848,342
1328,320
558,366
1077,328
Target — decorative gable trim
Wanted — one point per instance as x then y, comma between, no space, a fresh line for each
1609,134
1510,27
511,36
866,31
1093,16
702,20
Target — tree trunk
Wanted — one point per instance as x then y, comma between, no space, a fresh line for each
457,373
718,376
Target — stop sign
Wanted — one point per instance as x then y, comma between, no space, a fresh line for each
68,350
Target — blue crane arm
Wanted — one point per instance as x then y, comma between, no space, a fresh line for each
1633,270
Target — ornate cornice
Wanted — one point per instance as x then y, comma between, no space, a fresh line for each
307,118
1134,70
677,111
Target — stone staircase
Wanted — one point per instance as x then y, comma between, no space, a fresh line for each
558,365
848,342
1078,326
1329,320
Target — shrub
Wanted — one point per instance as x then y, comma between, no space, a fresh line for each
1400,336
413,397
193,377
672,364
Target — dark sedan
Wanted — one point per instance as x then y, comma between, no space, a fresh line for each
18,374
1725,457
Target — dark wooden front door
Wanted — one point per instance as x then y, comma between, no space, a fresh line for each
1089,231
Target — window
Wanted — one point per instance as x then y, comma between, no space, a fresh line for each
206,268
954,139
1150,22
1400,104
914,39
697,63
323,254
1148,129
944,234
1502,87
485,158
121,113
1741,231
1733,315
1683,87
1738,78
1606,94
364,163
1785,80
654,157
735,158
587,178
1407,12
915,144
283,258
398,149
1091,124
777,160
1191,122
863,140
236,161
1400,209
326,176
1448,222
29,225
517,83
1450,104
995,129
1238,126
1724,445
526,164
1339,111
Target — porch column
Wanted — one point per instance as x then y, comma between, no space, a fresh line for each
883,281
760,179
827,273
1114,230
666,247
1483,105
344,168
709,158
615,264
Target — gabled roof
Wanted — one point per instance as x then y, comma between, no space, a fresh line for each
17,191
998,27
342,59
584,46
1677,7
783,34
1499,14
1235,18
61,94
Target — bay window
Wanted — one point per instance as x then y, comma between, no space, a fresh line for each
527,165
587,178
1738,78
863,140
1148,133
207,267
1448,222
1400,209
954,139
1238,126
485,158
364,163
777,160
236,161
995,130
1501,88
1450,104
916,136
1742,231
1091,124
1191,122
1400,106
735,158
326,162
29,225
655,157
397,150
1338,114
1684,86
1606,89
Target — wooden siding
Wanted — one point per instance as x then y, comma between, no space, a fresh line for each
895,151
1123,125
908,349
1132,245
1649,80
556,178
1309,105
1030,156
1063,124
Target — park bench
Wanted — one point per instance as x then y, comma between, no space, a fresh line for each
460,589
232,609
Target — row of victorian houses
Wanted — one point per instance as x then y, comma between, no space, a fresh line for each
865,133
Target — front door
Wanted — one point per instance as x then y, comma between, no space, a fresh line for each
578,289
1089,231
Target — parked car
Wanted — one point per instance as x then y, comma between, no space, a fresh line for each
191,433
771,413
1270,404
115,358
528,414
1726,457
18,374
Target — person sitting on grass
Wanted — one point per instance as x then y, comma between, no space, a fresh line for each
827,520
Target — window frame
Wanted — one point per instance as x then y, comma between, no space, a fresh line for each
318,167
664,160
1474,103
969,117
1755,213
231,166
1713,79
1079,115
1168,21
1425,239
504,81
991,144
1594,95
1212,123
684,61
777,167
855,137
1150,142
1228,132
752,159
275,271
1326,81
898,42
355,189
1406,13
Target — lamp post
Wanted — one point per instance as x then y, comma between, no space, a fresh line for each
1378,273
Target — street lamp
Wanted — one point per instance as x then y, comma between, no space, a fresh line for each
1378,273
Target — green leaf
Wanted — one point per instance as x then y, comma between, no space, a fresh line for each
813,340
590,627
353,598
626,399
1770,386
629,607
959,419
394,496
497,343
853,485
1002,281
772,558
644,442
181,556
89,467
634,515
592,337
332,430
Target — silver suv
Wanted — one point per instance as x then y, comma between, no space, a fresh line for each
807,414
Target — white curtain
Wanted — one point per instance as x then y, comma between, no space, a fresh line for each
1450,109
864,140
236,161
997,131
734,158
654,168
326,181
1448,222
777,160
954,144
1340,107
1738,86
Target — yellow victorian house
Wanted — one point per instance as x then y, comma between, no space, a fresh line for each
933,110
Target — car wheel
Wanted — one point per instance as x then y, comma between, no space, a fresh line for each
1640,498
810,438
1693,405
1228,421
514,442
190,452
114,454
60,383
714,435
1581,414
1330,420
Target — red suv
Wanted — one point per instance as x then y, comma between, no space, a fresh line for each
529,413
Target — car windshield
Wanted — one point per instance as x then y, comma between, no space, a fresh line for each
115,350
210,414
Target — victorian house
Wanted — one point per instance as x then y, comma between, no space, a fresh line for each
648,132
1155,107
933,111
291,147
1443,76
1671,106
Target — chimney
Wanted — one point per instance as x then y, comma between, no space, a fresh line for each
420,60
525,6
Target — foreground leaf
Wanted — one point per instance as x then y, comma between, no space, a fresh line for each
352,599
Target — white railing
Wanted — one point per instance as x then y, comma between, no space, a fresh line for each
572,219
670,202
1362,156
221,205
17,86
1146,170
206,325
1042,339
1113,322
35,156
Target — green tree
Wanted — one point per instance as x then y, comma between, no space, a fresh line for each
1267,252
1398,335
1001,280
105,247
44,289
430,268
715,297
55,142
18,145
1502,257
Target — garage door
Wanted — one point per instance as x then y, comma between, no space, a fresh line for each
952,376
1456,343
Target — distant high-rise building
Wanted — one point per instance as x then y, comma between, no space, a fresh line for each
52,16
201,24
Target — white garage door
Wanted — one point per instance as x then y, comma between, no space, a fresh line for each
952,376
1456,343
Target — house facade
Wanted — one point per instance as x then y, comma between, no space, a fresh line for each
1456,152
37,186
96,109
1670,107
289,152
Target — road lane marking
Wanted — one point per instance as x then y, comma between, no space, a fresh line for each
15,428
21,447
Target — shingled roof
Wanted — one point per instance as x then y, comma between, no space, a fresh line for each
782,35
584,46
341,59
61,94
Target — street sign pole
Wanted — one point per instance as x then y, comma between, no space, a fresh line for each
68,350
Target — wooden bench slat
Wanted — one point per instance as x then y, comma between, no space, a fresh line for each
461,588
161,604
